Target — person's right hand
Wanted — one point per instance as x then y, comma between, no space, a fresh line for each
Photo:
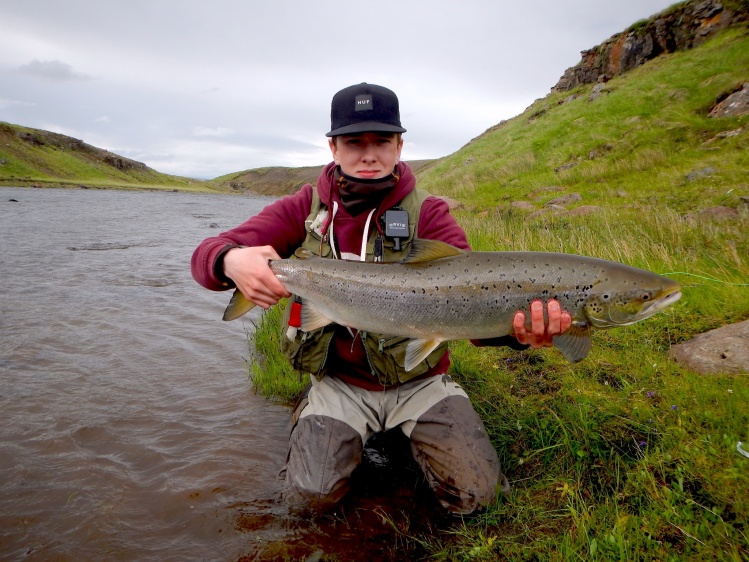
248,268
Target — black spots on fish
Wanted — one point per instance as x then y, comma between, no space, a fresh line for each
595,308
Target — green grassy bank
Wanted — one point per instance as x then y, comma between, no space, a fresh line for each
36,158
626,455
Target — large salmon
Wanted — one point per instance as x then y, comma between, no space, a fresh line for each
442,293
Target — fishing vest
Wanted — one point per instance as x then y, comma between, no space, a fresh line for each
386,354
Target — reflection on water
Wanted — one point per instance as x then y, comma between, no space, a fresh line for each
129,429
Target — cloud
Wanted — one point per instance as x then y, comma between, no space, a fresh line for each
54,70
6,103
193,89
211,131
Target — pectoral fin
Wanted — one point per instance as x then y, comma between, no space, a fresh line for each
238,305
574,343
418,350
312,318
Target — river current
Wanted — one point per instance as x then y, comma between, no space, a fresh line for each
129,429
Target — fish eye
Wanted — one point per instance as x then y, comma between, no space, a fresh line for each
645,297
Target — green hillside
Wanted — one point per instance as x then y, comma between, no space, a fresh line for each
629,454
41,158
641,138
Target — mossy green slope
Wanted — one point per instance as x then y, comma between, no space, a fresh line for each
35,157
641,136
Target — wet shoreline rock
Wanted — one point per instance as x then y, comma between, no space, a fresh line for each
724,350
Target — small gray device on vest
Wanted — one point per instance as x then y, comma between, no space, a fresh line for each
396,226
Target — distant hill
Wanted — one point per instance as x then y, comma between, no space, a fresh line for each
636,111
36,157
279,180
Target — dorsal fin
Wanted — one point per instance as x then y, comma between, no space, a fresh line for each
427,250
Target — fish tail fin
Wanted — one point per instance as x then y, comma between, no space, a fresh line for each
574,343
238,306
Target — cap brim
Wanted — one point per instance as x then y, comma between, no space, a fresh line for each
365,127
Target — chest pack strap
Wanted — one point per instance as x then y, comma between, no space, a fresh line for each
308,351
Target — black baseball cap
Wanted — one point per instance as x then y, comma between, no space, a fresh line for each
364,108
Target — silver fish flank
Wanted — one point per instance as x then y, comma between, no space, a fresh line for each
441,293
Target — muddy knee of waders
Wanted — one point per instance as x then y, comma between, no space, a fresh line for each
323,452
450,443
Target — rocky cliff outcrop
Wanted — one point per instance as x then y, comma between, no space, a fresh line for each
678,28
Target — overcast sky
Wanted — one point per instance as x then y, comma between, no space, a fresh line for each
202,89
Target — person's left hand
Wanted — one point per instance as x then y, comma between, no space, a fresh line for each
541,333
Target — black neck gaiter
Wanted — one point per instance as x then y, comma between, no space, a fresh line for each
357,194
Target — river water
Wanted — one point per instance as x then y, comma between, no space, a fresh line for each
128,427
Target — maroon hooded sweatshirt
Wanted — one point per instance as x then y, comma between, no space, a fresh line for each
281,225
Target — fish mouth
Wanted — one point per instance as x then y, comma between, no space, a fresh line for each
655,307
666,301
615,320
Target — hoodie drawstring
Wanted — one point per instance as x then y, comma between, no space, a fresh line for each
365,235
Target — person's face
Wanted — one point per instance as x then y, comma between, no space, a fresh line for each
367,155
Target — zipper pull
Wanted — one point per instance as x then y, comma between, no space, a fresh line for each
378,248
